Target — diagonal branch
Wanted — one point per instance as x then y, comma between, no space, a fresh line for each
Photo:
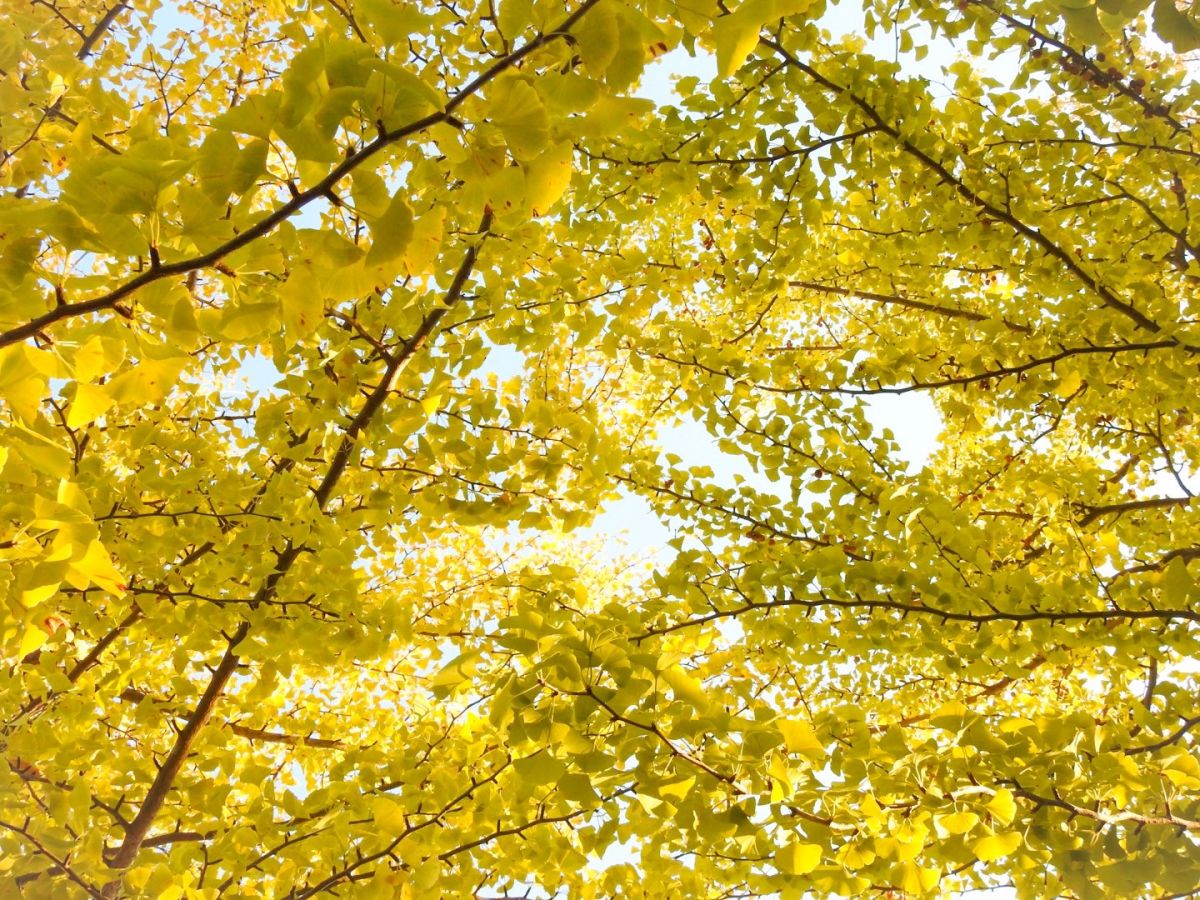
169,770
1033,235
139,828
905,302
94,36
1132,818
946,615
60,864
279,737
1092,513
988,375
1188,725
298,202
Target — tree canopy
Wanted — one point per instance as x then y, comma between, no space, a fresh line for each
345,630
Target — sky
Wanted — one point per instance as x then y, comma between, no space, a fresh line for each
628,524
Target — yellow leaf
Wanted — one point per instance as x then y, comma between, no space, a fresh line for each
43,579
1069,384
31,597
996,846
96,567
71,495
781,778
548,176
96,357
856,856
1003,806
566,737
518,111
388,814
648,803
797,858
426,241
391,233
610,115
914,879
19,388
148,381
1177,583
736,35
679,789
948,715
539,769
32,638
684,686
800,738
91,401
302,304
458,670
598,37
430,403
956,823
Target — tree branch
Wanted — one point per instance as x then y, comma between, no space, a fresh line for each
89,42
1034,235
124,855
301,199
278,737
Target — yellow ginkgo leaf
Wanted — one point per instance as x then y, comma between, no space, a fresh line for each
1003,806
996,846
548,176
431,403
32,638
91,401
799,737
798,858
957,822
388,814
95,567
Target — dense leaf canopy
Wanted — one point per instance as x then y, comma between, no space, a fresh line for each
348,628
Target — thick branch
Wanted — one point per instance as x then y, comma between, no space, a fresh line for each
1188,725
161,786
1130,818
1187,554
89,42
165,779
1092,513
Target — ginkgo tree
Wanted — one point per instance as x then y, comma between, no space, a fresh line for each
344,630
